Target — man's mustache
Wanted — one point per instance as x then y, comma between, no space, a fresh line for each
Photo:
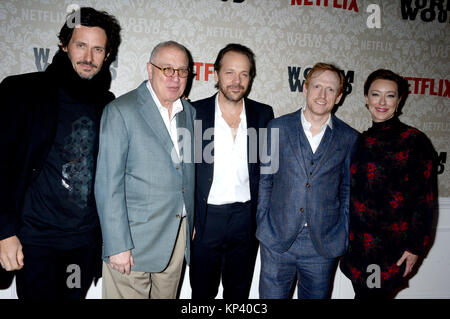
88,64
236,87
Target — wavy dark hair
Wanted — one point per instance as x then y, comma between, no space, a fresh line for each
89,17
239,48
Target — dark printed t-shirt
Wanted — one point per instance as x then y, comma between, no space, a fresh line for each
59,207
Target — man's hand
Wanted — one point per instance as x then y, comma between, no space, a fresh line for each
410,259
11,255
122,262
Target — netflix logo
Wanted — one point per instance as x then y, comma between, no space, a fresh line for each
203,71
339,4
425,86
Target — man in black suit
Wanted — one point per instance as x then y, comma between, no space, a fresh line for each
227,178
49,228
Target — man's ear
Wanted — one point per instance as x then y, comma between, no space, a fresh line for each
338,99
149,70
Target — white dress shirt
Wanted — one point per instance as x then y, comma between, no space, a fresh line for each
230,181
170,122
314,141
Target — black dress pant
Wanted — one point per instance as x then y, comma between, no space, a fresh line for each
50,273
225,249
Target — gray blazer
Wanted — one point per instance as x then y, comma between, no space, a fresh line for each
300,191
139,188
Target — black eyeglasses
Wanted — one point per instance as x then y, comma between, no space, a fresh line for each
169,71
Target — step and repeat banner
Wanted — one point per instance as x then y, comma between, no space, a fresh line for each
288,37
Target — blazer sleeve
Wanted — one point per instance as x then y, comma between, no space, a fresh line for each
423,194
344,187
110,182
268,167
11,162
271,114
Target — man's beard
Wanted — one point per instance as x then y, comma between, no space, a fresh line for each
89,77
233,98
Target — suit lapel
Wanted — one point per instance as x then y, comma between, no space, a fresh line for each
150,113
208,116
328,145
322,151
295,130
252,123
181,124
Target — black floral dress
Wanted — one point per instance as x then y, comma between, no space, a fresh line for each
393,190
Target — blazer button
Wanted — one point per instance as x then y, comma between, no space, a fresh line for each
308,185
178,167
302,210
177,216
182,190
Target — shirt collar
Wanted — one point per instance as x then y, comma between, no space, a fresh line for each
243,115
177,106
307,125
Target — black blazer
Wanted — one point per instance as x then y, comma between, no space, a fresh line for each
27,129
258,115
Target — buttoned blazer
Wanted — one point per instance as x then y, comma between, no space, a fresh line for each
140,185
258,115
296,192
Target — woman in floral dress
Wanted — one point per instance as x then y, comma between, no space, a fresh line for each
393,193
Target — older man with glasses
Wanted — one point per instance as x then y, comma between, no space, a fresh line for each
145,181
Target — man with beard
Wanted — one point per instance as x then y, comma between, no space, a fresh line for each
227,179
49,228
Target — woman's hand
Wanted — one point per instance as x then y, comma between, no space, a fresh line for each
411,260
